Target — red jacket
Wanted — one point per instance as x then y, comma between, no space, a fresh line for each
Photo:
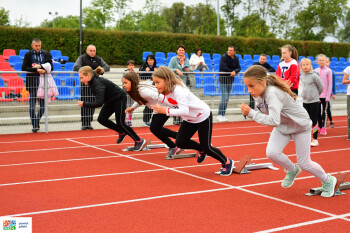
289,71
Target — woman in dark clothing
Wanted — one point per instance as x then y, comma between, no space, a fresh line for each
149,65
112,99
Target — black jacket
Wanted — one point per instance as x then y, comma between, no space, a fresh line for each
228,64
143,67
106,92
32,80
266,65
93,62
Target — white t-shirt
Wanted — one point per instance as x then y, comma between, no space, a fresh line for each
347,71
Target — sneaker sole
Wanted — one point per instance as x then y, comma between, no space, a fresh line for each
203,159
333,191
293,180
145,143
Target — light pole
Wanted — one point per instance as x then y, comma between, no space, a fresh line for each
53,17
218,18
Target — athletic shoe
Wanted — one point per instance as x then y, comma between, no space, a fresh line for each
121,138
227,169
290,177
201,157
173,151
323,131
328,186
314,142
331,125
139,145
148,124
221,118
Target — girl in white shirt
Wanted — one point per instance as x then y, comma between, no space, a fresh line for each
144,93
278,108
196,116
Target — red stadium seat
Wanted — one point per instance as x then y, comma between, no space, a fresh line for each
2,59
7,77
5,66
16,85
8,52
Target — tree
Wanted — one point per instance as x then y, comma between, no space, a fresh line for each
21,22
120,6
69,21
229,13
130,22
318,20
4,17
344,34
174,17
99,14
253,26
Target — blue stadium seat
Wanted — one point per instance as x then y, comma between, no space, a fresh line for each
217,67
13,59
339,69
341,88
18,66
249,63
238,89
186,55
239,56
167,61
301,57
208,61
145,54
210,67
22,52
268,58
64,93
2,84
160,61
72,82
342,59
210,90
208,80
311,58
77,91
275,58
57,66
199,79
334,59
69,66
216,56
247,57
170,54
216,61
160,55
256,58
243,68
206,56
55,54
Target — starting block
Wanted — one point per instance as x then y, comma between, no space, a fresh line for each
244,166
341,185
181,156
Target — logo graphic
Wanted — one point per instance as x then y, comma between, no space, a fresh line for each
9,224
172,101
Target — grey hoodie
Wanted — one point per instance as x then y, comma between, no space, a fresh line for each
312,86
280,110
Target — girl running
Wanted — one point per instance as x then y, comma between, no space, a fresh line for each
312,88
288,69
144,93
112,99
278,108
196,116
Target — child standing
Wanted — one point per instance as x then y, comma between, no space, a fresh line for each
346,81
129,102
145,93
278,108
112,99
196,116
312,88
326,77
288,69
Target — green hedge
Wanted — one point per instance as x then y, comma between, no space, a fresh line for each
117,47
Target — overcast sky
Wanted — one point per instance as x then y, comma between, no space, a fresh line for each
36,11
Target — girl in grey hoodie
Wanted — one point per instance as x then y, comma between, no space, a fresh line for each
312,88
278,108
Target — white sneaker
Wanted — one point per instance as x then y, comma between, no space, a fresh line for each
221,118
314,142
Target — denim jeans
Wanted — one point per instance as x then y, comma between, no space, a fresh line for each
35,119
225,89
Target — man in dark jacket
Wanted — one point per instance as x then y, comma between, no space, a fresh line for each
262,62
88,59
228,63
32,63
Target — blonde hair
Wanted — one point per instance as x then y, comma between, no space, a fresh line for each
259,73
85,70
306,59
321,55
293,50
171,79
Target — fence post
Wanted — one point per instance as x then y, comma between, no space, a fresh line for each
46,103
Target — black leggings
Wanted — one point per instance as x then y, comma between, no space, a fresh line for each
162,133
118,108
312,109
322,112
329,113
204,128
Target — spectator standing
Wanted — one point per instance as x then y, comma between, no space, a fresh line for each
32,62
229,62
92,60
197,61
325,96
289,69
149,65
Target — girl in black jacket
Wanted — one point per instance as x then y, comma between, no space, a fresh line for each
112,99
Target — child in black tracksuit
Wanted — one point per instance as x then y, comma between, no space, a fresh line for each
112,99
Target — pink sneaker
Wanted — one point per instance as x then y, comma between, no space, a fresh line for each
323,131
